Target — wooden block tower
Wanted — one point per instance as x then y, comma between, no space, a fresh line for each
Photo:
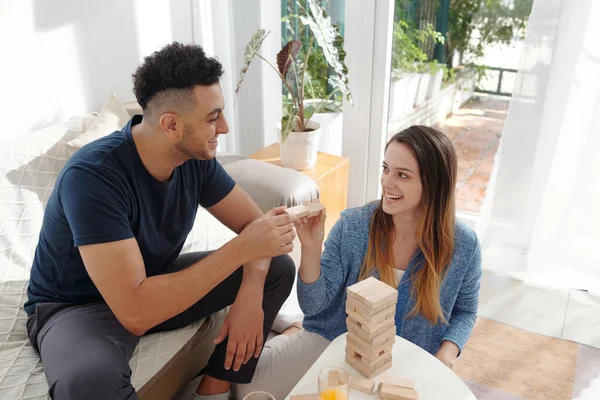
371,308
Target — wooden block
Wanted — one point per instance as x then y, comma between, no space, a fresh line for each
372,365
351,352
381,359
372,318
377,341
392,392
353,290
370,334
362,384
371,327
333,378
314,209
370,311
372,292
396,381
366,350
313,396
381,297
388,335
364,371
300,211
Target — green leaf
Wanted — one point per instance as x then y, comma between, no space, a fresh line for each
286,56
326,35
252,49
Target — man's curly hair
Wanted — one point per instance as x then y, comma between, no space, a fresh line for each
172,72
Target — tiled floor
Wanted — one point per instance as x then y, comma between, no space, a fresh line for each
567,314
475,132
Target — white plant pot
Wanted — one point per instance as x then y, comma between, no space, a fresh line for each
397,92
422,88
435,84
299,151
331,130
403,95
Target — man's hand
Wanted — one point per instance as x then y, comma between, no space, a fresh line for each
269,236
244,326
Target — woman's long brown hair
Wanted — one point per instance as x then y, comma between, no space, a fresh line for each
437,165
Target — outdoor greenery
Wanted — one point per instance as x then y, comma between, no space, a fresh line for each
407,48
472,26
493,22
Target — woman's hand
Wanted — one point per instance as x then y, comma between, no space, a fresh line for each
311,231
448,353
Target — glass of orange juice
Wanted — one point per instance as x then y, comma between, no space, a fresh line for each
334,384
259,396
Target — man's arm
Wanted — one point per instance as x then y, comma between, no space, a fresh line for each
243,325
140,303
236,211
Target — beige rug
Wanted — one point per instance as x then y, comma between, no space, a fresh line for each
501,362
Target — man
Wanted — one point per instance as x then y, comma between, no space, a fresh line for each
107,267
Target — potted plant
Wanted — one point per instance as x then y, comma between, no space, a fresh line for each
323,103
298,134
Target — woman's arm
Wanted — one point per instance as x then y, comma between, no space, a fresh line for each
321,276
464,314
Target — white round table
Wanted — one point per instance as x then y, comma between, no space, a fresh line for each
433,379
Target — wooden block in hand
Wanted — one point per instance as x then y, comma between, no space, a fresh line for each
300,211
396,381
313,396
392,392
314,208
362,384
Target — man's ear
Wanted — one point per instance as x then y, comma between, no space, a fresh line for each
170,124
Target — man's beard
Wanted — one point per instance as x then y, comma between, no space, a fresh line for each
190,147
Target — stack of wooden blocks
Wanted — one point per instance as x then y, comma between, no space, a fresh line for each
371,308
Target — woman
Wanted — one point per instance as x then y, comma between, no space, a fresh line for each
408,239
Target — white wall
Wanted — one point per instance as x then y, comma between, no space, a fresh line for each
64,57
258,103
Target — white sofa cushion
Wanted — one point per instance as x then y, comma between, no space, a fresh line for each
112,117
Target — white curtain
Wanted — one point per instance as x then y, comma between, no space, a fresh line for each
540,220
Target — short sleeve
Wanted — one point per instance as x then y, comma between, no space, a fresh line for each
94,206
216,183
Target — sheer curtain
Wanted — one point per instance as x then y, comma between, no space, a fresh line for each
540,221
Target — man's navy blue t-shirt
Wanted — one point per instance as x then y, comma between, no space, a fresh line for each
104,194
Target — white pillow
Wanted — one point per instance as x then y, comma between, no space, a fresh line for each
29,167
112,117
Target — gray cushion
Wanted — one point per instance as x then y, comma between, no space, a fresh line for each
269,185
